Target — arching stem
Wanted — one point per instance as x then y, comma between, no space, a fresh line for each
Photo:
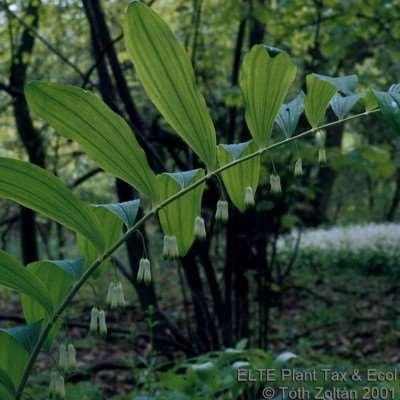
109,252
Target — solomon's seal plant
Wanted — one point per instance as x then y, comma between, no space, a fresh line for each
166,74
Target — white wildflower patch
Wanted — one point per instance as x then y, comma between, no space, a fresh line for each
362,244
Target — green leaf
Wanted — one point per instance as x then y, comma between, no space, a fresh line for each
26,335
395,88
177,218
370,100
319,93
112,216
107,139
265,80
15,343
236,179
57,277
289,115
166,74
342,105
74,268
14,276
111,229
41,191
389,104
346,85
7,388
375,154
13,358
126,211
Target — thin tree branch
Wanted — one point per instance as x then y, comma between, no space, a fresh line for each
10,90
99,59
86,176
45,42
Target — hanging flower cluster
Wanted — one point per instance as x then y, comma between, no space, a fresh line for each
67,357
144,271
57,385
222,212
170,248
249,197
320,138
298,167
115,295
275,182
322,155
98,324
199,228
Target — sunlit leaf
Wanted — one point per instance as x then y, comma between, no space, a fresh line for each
265,80
319,93
369,100
166,74
41,191
107,139
177,219
236,179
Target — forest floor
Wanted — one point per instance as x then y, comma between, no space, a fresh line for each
341,318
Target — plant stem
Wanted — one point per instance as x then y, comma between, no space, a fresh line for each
108,253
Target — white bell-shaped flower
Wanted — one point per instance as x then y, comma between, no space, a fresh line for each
322,155
60,387
199,228
298,167
94,320
275,182
63,356
120,295
222,211
115,295
170,248
102,323
249,197
71,356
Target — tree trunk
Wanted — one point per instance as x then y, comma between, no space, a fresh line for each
29,136
241,236
391,213
232,111
97,23
326,179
